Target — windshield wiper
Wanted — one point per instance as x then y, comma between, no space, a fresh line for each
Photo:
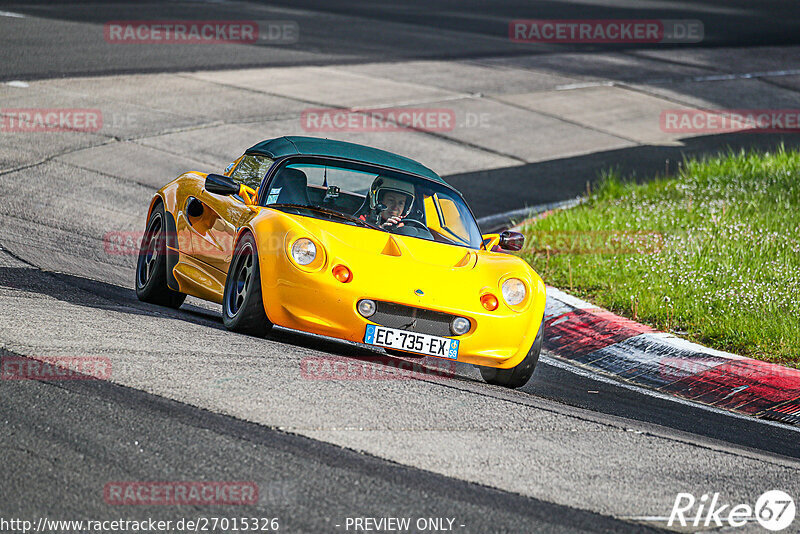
327,211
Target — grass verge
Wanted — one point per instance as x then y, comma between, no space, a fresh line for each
712,254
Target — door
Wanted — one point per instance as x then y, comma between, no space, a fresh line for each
213,220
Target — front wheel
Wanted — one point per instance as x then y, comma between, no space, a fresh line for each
242,304
517,376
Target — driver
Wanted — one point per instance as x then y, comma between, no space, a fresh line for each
390,201
395,203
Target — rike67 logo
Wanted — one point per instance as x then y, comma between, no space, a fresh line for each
774,510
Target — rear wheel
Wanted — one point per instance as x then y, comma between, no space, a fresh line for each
517,376
151,266
242,304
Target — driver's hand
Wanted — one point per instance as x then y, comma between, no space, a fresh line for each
393,221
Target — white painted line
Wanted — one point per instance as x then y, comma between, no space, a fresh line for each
665,519
11,15
17,83
413,102
570,86
549,360
747,75
645,518
704,78
526,213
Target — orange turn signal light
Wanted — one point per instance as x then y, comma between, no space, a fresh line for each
489,302
342,273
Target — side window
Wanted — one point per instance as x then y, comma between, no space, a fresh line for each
251,170
447,217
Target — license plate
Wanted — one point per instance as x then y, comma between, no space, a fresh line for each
441,347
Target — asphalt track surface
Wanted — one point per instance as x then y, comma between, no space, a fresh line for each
191,402
349,32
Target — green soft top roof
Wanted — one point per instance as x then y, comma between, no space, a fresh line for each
315,146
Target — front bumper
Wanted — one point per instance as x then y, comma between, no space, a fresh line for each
318,303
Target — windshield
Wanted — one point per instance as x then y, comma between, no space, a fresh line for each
389,201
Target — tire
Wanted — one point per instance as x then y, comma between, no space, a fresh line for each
517,376
151,266
242,304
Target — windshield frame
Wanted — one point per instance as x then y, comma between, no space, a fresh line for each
281,162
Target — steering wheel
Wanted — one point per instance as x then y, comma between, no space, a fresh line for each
414,222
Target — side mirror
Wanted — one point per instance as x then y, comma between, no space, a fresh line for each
221,185
511,240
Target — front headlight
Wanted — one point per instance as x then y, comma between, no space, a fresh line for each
304,251
514,291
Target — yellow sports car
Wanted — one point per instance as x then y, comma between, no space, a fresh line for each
347,241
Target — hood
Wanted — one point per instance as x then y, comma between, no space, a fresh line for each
402,264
